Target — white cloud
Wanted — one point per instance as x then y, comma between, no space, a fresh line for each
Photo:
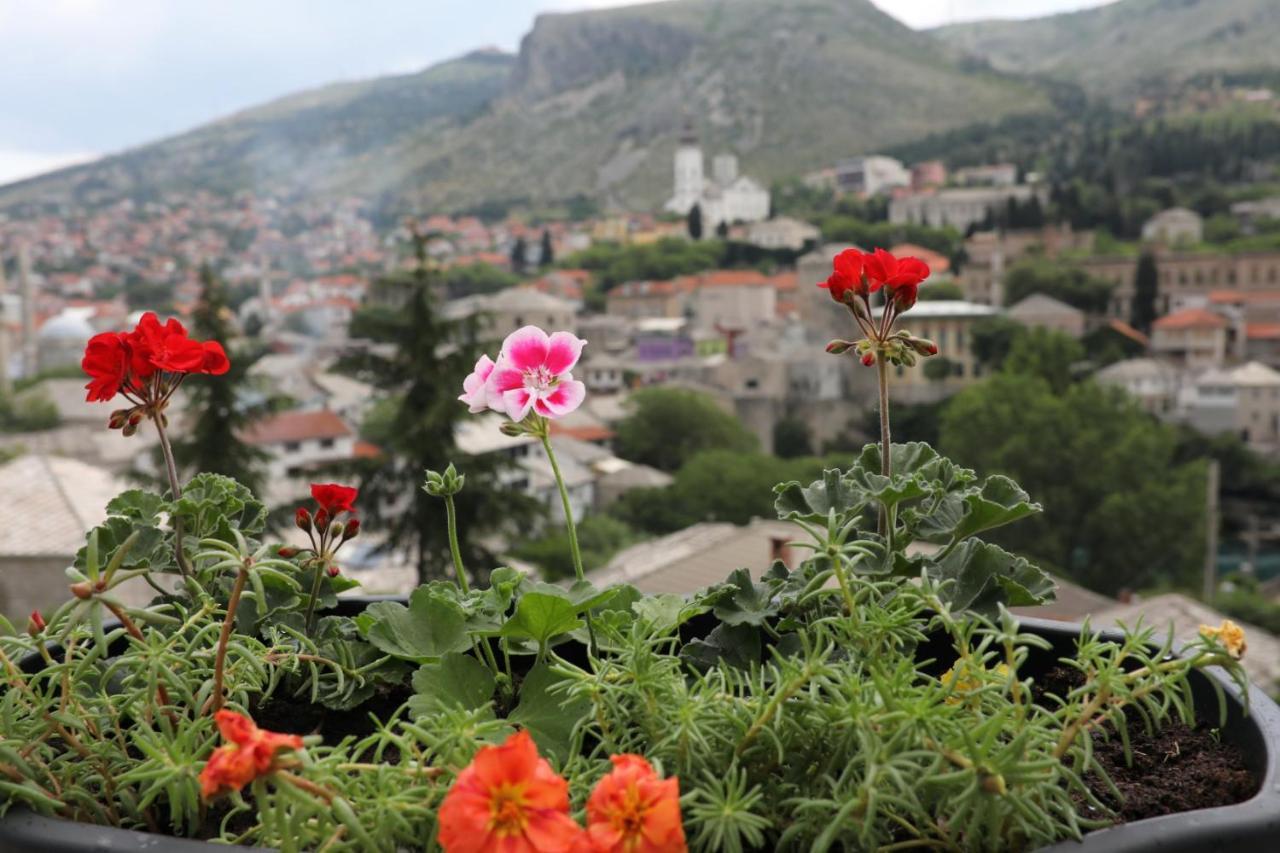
16,165
933,13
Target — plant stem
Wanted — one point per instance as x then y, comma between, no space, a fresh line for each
886,447
452,517
167,450
569,525
131,627
309,622
219,666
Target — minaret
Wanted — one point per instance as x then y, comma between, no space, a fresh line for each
29,353
689,180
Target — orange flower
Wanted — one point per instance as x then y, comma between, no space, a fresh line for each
508,799
250,752
1229,634
632,810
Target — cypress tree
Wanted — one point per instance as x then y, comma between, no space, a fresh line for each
1146,287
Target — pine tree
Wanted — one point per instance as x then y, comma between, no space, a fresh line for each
694,222
519,255
722,230
419,366
218,411
1146,287
548,252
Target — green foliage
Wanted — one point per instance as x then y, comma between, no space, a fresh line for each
432,626
612,264
693,223
1062,282
938,291
1050,355
791,438
476,279
32,411
839,228
667,426
1146,286
599,537
1132,516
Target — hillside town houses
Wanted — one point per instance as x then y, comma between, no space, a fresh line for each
746,336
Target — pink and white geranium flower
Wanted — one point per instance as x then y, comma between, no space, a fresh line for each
533,374
475,392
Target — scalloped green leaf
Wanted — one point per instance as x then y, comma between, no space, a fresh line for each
429,628
794,502
548,714
139,505
983,576
540,616
454,680
1000,502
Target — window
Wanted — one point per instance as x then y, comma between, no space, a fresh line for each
292,446
326,443
752,384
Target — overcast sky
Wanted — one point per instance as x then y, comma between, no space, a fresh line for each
82,78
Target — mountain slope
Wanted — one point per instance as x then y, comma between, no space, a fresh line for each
593,106
1118,49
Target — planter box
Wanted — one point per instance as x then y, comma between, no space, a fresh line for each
1249,826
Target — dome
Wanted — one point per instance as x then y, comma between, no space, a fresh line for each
68,326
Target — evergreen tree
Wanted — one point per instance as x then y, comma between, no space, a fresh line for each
722,230
547,256
219,411
694,222
419,366
1146,286
519,255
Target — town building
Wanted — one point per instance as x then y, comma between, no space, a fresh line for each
299,443
1251,214
1186,278
928,175
1195,338
1044,312
993,175
1153,383
961,208
874,174
725,196
949,324
782,232
1243,400
1173,227
499,314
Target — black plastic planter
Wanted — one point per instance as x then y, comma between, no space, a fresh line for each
1253,825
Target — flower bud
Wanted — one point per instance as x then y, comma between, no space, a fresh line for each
839,347
336,529
35,624
512,430
333,570
921,345
321,518
129,430
82,590
286,552
302,519
440,485
869,359
135,417
352,530
118,419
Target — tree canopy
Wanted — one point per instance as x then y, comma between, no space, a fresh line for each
1063,282
669,425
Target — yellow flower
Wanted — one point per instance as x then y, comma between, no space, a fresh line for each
1229,634
964,679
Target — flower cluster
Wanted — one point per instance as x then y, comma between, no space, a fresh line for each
855,276
249,753
1229,634
323,527
510,799
533,373
146,366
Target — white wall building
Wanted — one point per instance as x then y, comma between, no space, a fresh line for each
1173,226
872,174
960,207
724,197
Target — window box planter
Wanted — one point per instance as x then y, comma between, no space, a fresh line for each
1248,826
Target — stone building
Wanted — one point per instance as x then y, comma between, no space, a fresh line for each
1045,312
1175,226
1194,338
1186,278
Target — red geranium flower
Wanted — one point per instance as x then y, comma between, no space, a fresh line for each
166,347
250,752
508,799
900,276
106,361
848,276
125,361
334,498
633,810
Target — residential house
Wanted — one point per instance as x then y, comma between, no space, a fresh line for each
871,175
962,207
1251,214
1044,312
782,232
1243,400
1186,278
1153,383
948,323
1175,226
499,314
299,443
1194,338
993,175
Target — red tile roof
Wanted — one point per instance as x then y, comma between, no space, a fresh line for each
589,432
1220,297
1262,331
296,426
937,262
1190,318
1123,328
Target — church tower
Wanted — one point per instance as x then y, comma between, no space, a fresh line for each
689,179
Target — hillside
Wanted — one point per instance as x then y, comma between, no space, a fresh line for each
591,106
1131,45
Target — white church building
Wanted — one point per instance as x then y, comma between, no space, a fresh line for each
724,197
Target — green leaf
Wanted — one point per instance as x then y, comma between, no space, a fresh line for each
549,715
212,506
744,603
666,612
735,645
455,679
1000,502
813,502
982,576
138,505
429,628
540,616
150,550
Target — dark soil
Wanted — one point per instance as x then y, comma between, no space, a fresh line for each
300,717
1177,768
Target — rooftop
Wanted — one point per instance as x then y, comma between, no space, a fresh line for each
297,426
948,308
1189,318
61,499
